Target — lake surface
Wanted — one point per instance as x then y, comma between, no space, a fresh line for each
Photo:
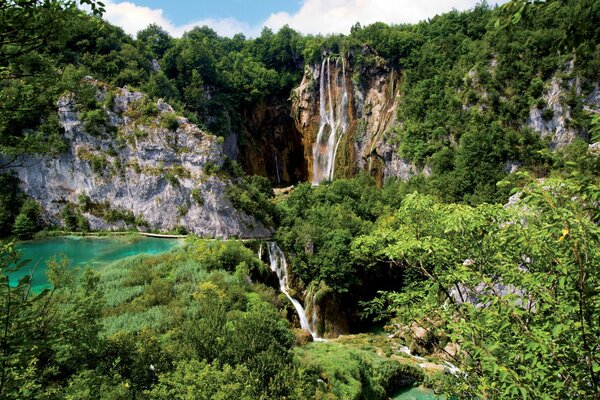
83,251
416,393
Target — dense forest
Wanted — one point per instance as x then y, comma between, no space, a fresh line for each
486,260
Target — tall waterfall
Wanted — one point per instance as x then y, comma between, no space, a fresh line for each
333,113
278,265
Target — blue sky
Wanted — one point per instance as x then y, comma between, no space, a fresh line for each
229,17
182,12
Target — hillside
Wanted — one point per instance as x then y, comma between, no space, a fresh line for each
434,219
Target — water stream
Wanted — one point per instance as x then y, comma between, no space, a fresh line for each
333,118
278,265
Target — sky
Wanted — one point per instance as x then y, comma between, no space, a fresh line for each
229,17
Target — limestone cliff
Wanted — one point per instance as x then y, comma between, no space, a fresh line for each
139,159
554,118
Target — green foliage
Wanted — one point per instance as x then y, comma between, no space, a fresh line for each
201,323
224,255
528,322
24,227
210,168
69,217
253,195
29,221
318,225
42,339
11,199
347,373
197,197
169,121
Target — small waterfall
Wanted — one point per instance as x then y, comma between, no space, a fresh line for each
278,265
333,113
260,251
277,168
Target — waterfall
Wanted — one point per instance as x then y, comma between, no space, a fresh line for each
333,123
278,265
277,168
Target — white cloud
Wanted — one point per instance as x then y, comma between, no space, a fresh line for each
314,16
337,16
133,18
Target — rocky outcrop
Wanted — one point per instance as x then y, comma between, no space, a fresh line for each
370,111
554,118
153,164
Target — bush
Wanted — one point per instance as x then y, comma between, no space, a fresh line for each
211,168
99,164
197,197
169,121
24,227
171,178
10,201
547,114
69,217
83,225
94,122
84,202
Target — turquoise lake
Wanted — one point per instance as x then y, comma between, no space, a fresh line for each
416,393
83,251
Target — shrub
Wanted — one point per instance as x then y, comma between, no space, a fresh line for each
171,178
83,224
180,230
182,210
169,121
84,202
24,227
211,168
99,164
94,121
547,114
197,197
69,217
10,201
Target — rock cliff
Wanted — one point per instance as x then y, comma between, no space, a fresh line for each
554,118
138,159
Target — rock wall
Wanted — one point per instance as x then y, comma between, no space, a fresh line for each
271,145
163,173
554,119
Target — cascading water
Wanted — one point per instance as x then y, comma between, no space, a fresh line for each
278,265
277,168
333,114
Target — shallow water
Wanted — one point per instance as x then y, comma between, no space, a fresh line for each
416,393
83,251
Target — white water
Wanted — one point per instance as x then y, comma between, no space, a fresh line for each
277,168
278,265
333,114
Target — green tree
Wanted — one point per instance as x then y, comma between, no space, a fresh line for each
513,287
24,227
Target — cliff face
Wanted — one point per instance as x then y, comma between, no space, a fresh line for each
554,118
271,145
158,167
358,106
